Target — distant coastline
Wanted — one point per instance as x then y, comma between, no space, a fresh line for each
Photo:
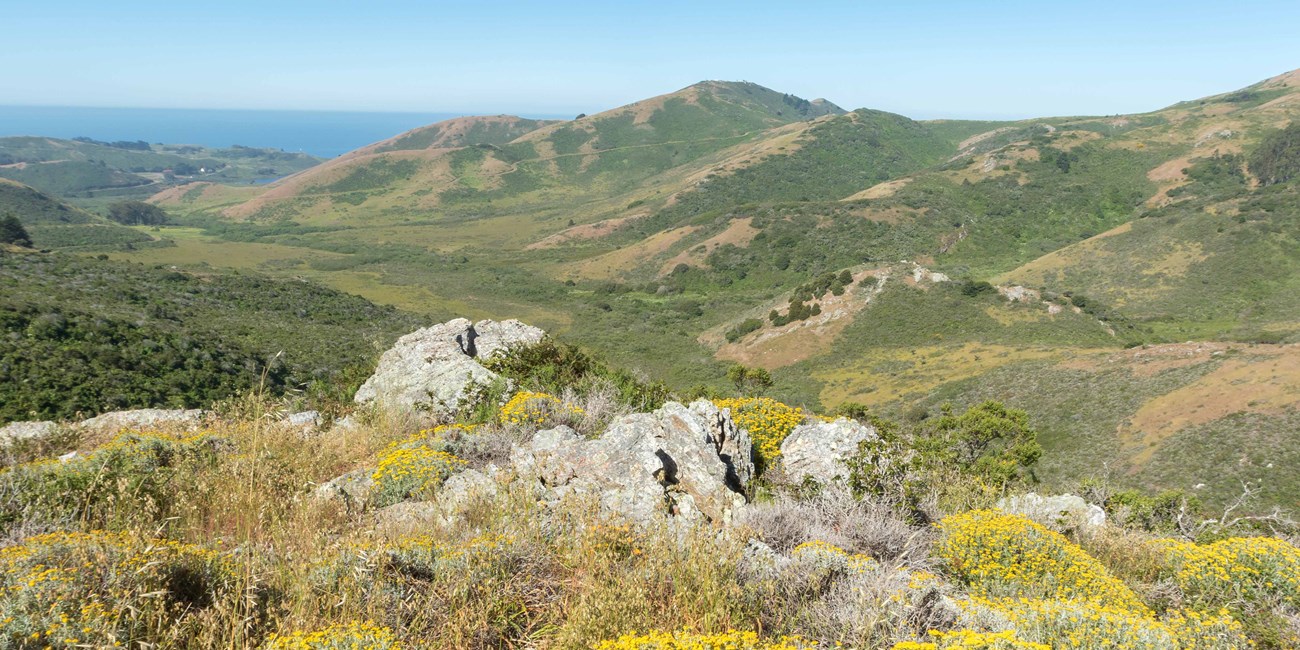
319,133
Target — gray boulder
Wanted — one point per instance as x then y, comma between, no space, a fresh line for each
433,369
15,431
116,421
1060,513
305,420
689,462
353,488
819,450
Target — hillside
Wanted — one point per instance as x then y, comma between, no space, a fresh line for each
55,224
657,231
85,169
86,336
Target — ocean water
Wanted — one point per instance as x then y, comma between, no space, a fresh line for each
318,133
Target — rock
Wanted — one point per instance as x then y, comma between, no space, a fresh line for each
433,369
307,420
819,450
15,431
460,492
1060,513
68,457
407,517
690,462
353,488
143,419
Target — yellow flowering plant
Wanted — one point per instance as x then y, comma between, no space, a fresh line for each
767,421
98,589
343,636
730,640
411,471
1001,555
970,640
528,408
1239,569
134,465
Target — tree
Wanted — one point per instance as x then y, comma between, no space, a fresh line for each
749,380
137,213
1277,158
13,232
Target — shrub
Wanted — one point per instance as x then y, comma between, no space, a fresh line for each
537,409
767,421
554,367
411,470
134,467
731,640
744,327
1007,556
106,589
343,636
1277,158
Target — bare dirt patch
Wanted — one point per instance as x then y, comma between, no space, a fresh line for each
582,232
1265,381
777,347
880,190
615,263
738,233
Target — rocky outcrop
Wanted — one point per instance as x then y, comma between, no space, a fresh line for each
15,431
688,462
819,450
1060,513
143,419
433,369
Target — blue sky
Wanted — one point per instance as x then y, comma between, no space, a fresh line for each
923,59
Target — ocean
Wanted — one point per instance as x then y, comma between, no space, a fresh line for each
319,133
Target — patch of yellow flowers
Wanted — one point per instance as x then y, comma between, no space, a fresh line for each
970,640
70,589
767,421
1048,590
529,408
406,471
731,640
831,555
345,636
1001,555
1254,569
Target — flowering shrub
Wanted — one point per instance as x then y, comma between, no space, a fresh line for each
1250,569
1085,625
964,639
731,640
1001,555
767,421
407,471
346,636
529,408
140,467
833,557
72,589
